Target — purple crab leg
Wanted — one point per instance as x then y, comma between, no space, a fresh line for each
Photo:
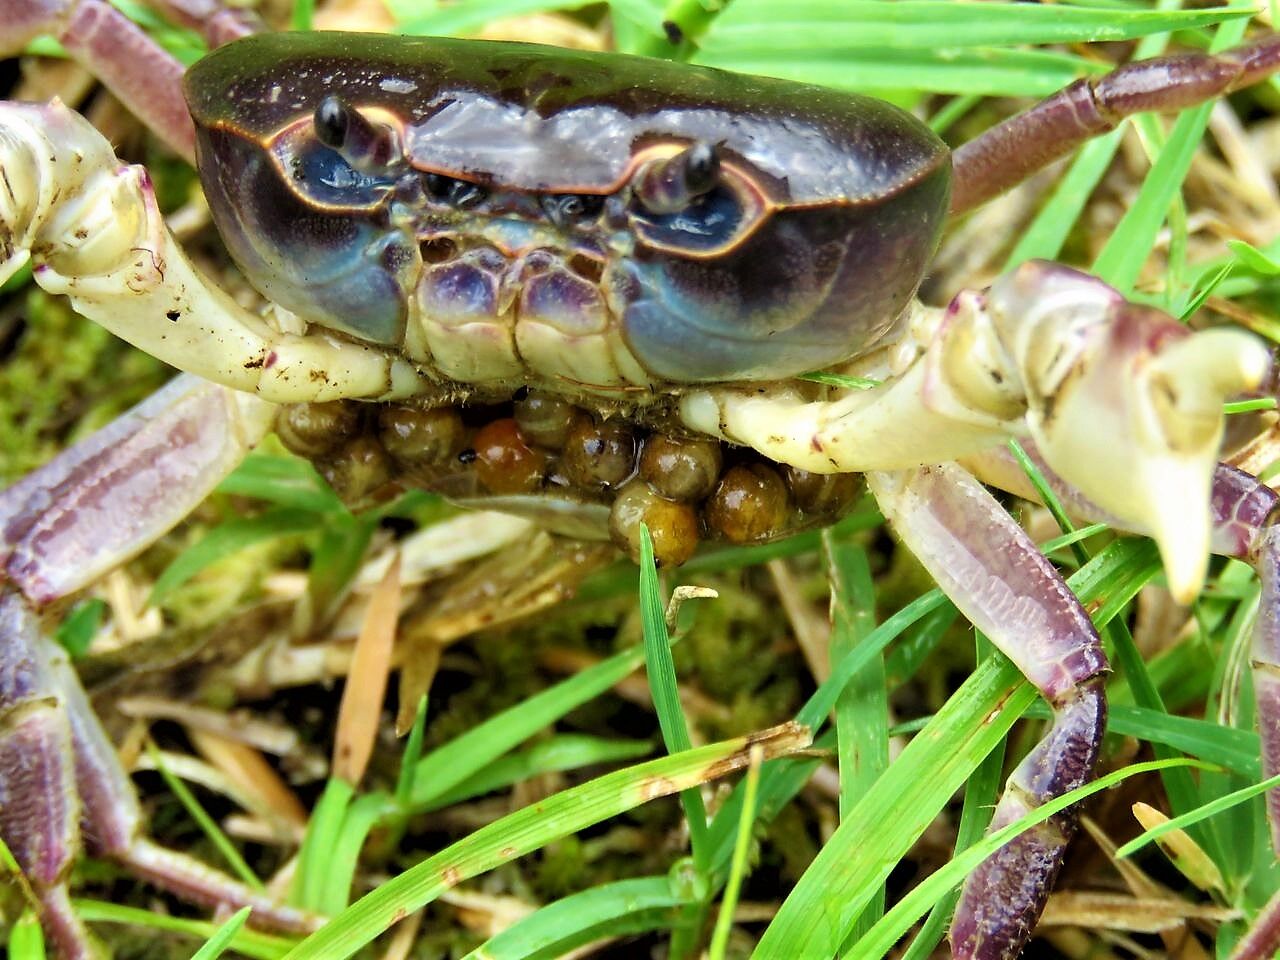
1266,666
110,496
1262,940
213,19
1007,154
39,806
1245,514
86,511
133,66
49,804
997,577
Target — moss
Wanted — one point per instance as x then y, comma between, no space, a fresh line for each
64,378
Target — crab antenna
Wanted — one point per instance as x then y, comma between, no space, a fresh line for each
671,185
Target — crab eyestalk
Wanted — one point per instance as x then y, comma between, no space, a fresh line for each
365,145
671,185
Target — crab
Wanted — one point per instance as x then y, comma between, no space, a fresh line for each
584,287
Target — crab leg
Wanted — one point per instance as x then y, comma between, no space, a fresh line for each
85,512
111,495
997,577
1244,512
97,236
136,69
39,806
1123,402
215,21
1007,154
132,65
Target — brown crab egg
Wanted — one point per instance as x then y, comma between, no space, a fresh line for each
421,436
673,526
749,504
357,469
314,429
822,494
599,455
504,462
681,468
546,419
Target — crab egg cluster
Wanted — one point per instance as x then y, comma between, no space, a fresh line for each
684,489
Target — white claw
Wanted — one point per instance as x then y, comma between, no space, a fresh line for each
1189,382
95,232
1130,412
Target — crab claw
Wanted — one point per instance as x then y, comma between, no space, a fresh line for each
1125,403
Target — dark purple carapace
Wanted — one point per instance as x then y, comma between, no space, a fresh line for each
764,227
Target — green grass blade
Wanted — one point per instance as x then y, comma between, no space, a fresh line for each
447,766
937,24
322,834
1122,258
1178,782
229,538
412,754
526,830
978,71
303,13
467,16
661,671
336,559
565,751
77,630
861,712
646,16
1202,812
823,700
780,781
917,642
862,709
342,857
223,936
248,943
286,481
737,866
1237,750
981,792
206,823
1047,234
913,905
558,925
26,938
818,914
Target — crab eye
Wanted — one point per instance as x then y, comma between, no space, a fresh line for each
342,128
693,203
331,122
672,185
